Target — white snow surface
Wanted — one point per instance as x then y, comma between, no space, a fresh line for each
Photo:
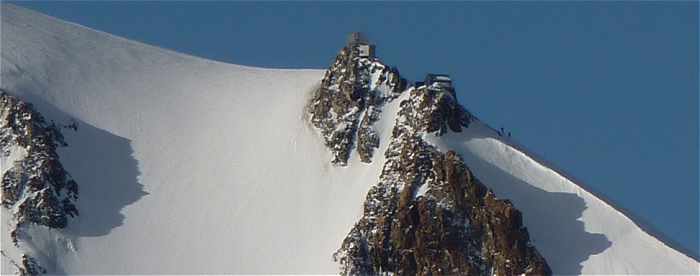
187,165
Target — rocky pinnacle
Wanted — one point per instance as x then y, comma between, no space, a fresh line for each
428,214
350,100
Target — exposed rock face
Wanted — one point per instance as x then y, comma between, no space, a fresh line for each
431,109
35,186
428,214
350,100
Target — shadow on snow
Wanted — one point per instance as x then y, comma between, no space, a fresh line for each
105,169
567,244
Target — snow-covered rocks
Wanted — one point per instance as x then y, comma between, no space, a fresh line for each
35,186
350,100
456,226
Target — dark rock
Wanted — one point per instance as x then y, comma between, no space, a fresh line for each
347,104
455,225
36,188
438,111
37,185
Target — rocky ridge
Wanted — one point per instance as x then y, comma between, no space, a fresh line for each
350,100
428,214
35,186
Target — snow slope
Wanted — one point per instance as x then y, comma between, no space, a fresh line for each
175,157
576,232
188,165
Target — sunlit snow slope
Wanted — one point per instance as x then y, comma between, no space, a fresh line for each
576,232
187,165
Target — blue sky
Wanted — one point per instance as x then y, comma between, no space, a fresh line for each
607,91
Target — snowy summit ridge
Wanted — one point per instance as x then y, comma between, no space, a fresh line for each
455,225
353,162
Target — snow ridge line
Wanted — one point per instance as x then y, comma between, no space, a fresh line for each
647,227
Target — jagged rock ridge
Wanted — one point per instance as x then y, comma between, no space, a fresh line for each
350,100
428,214
35,186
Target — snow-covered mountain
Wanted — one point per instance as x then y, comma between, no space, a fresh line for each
186,165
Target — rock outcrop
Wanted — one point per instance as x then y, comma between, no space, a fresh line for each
36,186
429,215
350,100
36,189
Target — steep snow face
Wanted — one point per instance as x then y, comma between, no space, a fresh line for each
192,166
575,231
185,165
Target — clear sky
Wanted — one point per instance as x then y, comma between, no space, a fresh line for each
607,91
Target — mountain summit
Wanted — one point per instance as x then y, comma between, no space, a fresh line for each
350,100
428,214
182,165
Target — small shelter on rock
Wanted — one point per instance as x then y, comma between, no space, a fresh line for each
358,41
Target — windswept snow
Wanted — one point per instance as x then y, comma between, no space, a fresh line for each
187,165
